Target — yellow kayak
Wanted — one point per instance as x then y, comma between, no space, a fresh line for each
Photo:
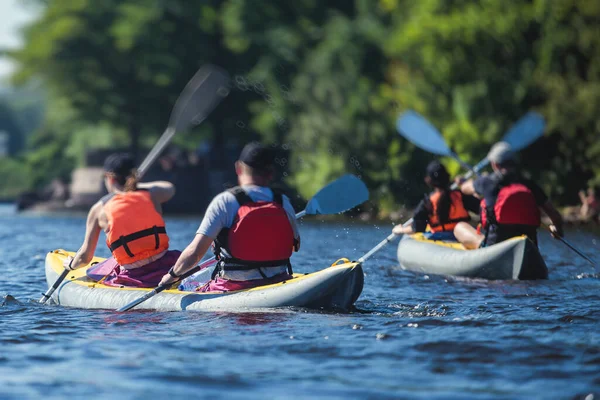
336,287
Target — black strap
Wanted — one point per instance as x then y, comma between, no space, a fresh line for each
242,265
240,195
235,264
277,197
123,240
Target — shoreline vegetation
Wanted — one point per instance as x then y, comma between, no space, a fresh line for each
323,82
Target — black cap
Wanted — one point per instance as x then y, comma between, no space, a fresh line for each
120,164
255,155
438,174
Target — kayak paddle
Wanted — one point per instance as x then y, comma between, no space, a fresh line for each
422,134
200,96
338,196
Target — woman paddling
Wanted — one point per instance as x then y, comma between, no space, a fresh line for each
442,209
131,216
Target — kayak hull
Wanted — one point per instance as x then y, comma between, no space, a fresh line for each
336,287
516,258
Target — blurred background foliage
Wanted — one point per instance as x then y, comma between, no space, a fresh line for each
325,80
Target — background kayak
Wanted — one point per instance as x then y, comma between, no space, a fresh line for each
517,258
417,336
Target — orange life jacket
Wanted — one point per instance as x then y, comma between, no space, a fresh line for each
136,231
457,213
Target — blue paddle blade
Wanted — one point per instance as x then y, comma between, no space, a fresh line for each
525,131
422,134
340,195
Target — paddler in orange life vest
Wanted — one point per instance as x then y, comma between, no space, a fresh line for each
510,204
442,209
131,217
253,228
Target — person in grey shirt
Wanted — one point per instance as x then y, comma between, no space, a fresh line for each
261,222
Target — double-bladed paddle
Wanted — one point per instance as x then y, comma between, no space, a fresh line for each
422,134
338,196
200,96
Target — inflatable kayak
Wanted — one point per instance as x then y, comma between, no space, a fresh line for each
516,258
336,287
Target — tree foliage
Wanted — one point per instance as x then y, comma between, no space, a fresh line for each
326,80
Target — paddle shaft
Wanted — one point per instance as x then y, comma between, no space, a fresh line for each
569,245
49,292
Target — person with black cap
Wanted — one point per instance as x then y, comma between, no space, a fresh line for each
442,209
510,204
131,216
253,228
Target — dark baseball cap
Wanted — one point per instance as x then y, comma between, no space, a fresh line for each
120,164
256,155
437,173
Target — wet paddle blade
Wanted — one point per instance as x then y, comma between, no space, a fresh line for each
340,195
525,131
417,130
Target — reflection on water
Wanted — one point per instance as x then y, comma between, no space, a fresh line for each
414,336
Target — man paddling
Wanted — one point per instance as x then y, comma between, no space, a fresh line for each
131,217
252,226
510,204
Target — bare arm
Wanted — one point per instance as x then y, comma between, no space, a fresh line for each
189,257
468,189
92,233
161,191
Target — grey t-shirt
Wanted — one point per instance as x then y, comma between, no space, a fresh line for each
222,211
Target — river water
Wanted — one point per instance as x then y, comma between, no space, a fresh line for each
415,336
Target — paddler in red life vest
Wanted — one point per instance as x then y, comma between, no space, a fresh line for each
442,209
131,217
253,228
510,204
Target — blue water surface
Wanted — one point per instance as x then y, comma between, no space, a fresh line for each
414,336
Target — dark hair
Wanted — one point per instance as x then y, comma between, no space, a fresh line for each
122,168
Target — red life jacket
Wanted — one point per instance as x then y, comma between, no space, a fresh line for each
457,212
514,205
261,235
136,231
